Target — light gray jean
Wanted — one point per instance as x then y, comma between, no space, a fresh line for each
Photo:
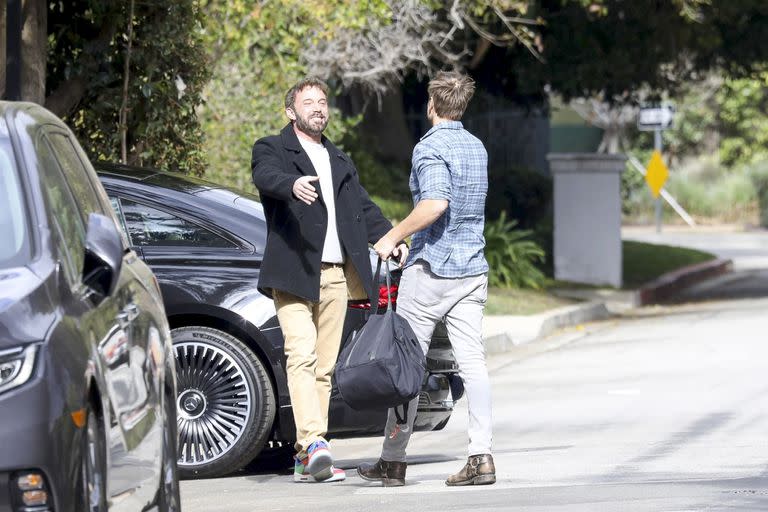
424,299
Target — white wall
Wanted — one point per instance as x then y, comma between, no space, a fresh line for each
587,205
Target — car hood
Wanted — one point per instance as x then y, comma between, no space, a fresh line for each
26,313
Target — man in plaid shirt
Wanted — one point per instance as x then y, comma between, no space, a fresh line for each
446,274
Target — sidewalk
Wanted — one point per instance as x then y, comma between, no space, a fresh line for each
503,333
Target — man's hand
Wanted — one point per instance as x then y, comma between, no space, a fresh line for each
304,190
401,253
384,247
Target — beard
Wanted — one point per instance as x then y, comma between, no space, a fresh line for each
312,125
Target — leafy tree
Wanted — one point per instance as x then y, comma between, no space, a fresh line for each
258,55
163,80
723,116
743,125
84,49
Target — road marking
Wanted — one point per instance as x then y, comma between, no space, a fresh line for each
626,392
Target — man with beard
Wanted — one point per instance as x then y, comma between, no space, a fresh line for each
315,259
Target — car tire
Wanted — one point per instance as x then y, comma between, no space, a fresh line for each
225,403
276,457
92,489
169,498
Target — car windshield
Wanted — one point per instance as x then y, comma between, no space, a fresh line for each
14,242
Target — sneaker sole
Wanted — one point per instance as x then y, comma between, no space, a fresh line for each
309,479
320,465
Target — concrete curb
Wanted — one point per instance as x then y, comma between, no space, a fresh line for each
504,332
671,283
519,330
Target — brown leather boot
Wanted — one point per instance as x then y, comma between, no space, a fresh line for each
390,474
479,470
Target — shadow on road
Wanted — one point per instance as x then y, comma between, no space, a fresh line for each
740,284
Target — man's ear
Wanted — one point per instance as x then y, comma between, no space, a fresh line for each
291,114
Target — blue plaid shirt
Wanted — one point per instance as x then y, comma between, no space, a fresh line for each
450,163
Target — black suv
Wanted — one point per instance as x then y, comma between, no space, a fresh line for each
205,243
87,385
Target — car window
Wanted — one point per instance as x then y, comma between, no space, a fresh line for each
115,203
14,232
67,218
77,176
149,226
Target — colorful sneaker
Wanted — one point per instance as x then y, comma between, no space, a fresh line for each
300,473
319,461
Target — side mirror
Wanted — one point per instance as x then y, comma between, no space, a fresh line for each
103,256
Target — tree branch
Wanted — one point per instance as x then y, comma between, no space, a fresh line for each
126,79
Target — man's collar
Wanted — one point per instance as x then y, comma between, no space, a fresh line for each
448,125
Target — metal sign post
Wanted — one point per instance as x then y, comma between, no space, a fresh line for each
656,119
657,147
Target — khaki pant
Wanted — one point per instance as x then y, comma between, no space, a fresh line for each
312,332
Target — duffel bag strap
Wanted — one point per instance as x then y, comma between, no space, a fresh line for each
402,419
375,304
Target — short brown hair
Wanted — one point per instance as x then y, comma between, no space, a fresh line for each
307,81
450,92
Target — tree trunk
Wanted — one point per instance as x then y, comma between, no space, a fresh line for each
126,81
34,50
3,35
66,96
386,124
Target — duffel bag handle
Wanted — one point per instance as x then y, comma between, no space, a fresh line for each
375,306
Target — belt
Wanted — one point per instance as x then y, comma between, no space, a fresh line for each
324,265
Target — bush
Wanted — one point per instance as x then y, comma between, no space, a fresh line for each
511,257
388,181
758,175
525,195
393,209
703,187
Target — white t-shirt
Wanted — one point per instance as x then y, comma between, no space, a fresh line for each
318,155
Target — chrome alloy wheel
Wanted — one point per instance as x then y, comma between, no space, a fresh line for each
213,403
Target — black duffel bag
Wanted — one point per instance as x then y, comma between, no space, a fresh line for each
382,365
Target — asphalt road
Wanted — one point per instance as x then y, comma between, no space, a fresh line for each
665,411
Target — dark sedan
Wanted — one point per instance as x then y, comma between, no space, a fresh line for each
205,243
87,386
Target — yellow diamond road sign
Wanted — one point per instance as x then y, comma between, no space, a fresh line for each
656,174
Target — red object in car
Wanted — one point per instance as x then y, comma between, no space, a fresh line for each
382,298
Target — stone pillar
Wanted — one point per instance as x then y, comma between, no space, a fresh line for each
587,204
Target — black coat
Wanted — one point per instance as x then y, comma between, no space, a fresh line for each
296,231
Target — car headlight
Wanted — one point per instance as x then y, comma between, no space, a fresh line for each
16,366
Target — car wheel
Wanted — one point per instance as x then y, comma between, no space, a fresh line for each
225,402
275,458
93,466
168,491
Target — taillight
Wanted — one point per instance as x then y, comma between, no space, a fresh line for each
382,298
383,295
